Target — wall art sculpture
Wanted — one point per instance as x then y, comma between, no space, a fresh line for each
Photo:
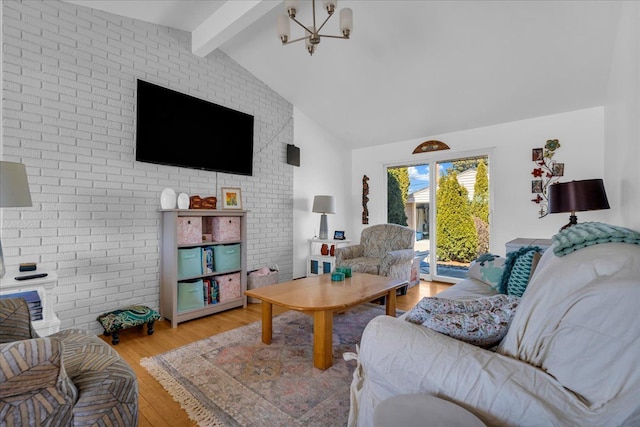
546,172
365,199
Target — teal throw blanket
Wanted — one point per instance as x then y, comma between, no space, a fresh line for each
590,233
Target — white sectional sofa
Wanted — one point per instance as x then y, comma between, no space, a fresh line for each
570,356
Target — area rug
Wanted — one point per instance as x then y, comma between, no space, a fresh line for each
233,379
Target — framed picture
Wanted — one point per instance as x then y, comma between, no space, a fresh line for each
558,169
338,235
536,186
537,154
231,198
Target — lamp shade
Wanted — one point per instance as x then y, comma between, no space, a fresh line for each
324,204
577,196
14,186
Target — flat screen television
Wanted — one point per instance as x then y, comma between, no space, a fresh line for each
181,130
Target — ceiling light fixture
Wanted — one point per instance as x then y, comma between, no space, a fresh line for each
312,33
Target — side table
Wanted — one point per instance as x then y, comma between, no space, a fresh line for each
521,242
45,287
321,264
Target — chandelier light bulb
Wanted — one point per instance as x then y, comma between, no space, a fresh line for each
346,21
291,6
284,28
330,6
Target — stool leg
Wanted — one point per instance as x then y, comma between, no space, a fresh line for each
116,338
150,327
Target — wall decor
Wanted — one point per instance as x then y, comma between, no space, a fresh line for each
168,199
183,201
197,202
231,198
547,171
365,199
428,146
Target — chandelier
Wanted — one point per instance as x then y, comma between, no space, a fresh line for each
312,33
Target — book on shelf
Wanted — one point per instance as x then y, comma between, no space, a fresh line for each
214,294
211,291
207,259
33,301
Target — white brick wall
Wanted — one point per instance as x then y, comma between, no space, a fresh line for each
69,79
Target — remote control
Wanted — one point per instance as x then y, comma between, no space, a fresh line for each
32,276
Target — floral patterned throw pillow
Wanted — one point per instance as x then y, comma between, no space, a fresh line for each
482,322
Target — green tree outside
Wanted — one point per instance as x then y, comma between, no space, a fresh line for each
480,202
397,196
456,231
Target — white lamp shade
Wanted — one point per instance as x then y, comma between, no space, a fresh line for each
346,20
14,186
324,204
283,26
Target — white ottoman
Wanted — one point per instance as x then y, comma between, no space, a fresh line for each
422,410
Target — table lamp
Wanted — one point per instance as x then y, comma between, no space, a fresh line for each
324,205
574,196
14,192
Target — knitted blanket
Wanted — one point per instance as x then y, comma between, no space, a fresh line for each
591,233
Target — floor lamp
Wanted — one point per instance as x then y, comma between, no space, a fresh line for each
577,196
324,205
14,193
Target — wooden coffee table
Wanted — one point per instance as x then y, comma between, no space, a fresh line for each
320,297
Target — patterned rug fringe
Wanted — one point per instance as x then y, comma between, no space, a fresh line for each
187,401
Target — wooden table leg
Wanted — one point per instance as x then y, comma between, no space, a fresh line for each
391,303
267,322
322,339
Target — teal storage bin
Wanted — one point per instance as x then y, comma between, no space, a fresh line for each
190,295
226,257
189,262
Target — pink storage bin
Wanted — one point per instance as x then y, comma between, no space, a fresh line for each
229,286
224,228
189,230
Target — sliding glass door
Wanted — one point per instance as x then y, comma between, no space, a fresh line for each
451,217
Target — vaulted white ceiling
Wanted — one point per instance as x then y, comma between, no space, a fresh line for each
412,68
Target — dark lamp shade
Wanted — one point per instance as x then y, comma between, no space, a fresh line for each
577,196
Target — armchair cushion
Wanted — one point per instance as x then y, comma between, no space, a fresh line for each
15,321
35,382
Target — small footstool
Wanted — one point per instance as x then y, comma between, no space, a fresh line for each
123,318
422,410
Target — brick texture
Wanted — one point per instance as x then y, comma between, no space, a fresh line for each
68,83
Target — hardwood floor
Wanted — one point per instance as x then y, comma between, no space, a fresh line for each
157,407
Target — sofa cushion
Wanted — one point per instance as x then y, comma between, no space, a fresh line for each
577,306
521,272
487,268
437,305
482,322
523,259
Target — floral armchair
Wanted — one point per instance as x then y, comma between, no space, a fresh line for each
70,378
384,249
